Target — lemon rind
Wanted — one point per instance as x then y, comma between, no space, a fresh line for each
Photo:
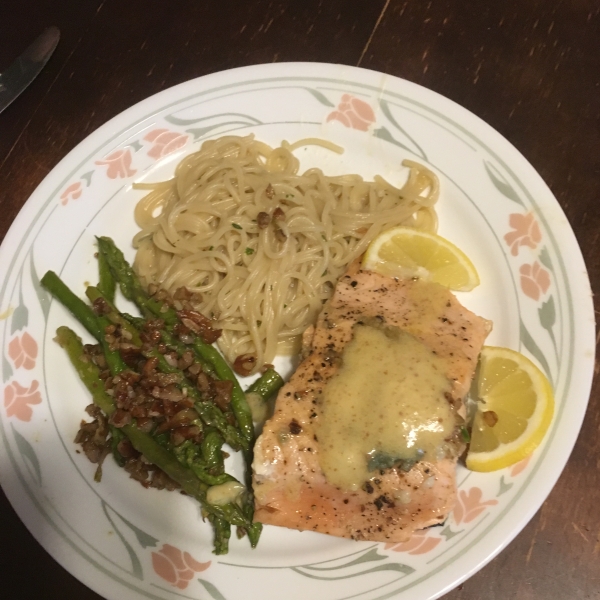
509,454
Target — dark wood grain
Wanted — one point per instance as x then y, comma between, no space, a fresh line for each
530,68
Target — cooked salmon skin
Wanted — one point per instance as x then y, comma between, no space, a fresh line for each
290,486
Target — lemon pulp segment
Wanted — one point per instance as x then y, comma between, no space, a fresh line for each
407,252
515,409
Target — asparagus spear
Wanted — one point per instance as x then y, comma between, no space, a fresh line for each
220,516
210,467
80,310
238,399
89,374
267,384
210,413
171,341
86,316
114,316
130,285
222,534
107,284
133,290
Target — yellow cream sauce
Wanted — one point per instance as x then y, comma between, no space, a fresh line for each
387,397
224,493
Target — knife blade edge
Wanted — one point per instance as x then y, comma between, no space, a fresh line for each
25,68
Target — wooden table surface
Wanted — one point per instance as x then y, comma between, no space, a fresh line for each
530,68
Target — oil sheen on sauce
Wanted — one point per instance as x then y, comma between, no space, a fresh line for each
387,397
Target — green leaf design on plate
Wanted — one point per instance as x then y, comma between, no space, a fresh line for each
7,371
136,565
319,96
448,533
394,567
368,556
547,315
504,487
20,316
246,119
531,345
223,119
43,296
136,145
501,184
200,132
416,149
544,257
384,134
28,453
87,177
371,555
212,590
145,540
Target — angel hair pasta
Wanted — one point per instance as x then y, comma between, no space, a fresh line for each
262,244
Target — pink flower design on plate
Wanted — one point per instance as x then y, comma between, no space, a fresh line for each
18,400
175,566
23,351
535,280
72,192
520,466
354,113
526,232
469,505
164,142
119,164
419,543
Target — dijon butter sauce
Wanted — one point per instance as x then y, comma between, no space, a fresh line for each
224,493
387,397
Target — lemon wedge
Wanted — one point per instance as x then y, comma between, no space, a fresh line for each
406,252
515,409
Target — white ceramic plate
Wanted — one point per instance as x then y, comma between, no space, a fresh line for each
126,542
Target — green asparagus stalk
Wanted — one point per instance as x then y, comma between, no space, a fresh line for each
198,474
131,286
133,290
267,384
89,374
170,340
239,405
82,311
106,284
222,534
220,516
210,414
211,450
113,357
114,316
210,468
86,316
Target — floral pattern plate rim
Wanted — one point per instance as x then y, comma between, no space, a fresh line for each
129,543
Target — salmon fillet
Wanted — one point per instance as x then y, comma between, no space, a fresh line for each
290,487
